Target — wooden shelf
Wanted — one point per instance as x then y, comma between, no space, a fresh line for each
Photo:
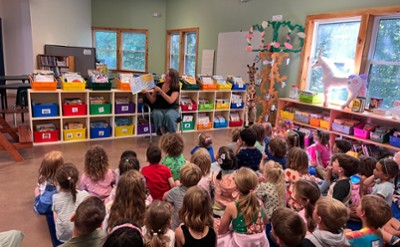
49,62
335,112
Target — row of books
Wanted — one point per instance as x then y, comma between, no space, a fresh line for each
54,61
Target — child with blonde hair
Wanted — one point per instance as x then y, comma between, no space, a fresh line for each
306,193
172,145
297,168
190,176
97,178
223,181
156,230
205,141
374,213
66,200
46,185
202,159
330,215
129,203
246,214
261,134
272,192
197,221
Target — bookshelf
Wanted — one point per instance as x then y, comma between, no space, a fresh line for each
58,64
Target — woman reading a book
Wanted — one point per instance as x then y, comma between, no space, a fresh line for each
164,102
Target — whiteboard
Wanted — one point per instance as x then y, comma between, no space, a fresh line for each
232,58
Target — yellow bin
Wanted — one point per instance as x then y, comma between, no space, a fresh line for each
124,130
74,134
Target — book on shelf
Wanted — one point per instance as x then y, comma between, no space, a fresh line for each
143,82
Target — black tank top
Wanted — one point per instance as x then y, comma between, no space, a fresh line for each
208,240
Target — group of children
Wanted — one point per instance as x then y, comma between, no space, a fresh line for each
255,191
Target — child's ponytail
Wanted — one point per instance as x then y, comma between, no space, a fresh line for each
156,240
226,160
246,181
309,192
67,177
158,218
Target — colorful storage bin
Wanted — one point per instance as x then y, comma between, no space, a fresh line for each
74,134
324,124
342,128
124,108
360,132
315,122
100,109
100,132
188,125
206,107
236,123
125,86
189,107
394,141
144,129
44,110
204,126
381,137
43,86
74,110
237,105
311,99
287,115
73,86
45,136
124,130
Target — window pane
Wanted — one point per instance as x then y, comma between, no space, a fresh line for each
174,62
190,43
175,44
384,82
134,41
337,42
133,61
190,63
106,48
388,41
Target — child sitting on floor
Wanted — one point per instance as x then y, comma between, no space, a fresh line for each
248,155
172,145
205,141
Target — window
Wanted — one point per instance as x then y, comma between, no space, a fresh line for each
356,42
182,50
121,49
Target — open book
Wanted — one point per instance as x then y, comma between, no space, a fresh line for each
144,82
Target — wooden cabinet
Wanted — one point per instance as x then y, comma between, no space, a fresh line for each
48,107
57,64
336,112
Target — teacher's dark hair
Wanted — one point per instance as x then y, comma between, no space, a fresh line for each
174,78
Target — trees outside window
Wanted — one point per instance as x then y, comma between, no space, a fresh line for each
182,51
121,49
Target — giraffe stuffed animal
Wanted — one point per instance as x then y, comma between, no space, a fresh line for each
250,107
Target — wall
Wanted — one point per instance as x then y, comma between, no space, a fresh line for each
17,36
215,16
60,22
136,14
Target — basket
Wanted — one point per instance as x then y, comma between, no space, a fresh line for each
74,134
287,115
324,124
204,126
311,99
124,86
315,122
188,86
394,141
124,130
43,86
73,86
342,128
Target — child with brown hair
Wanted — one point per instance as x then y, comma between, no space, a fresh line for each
158,177
197,220
272,192
367,166
205,141
374,213
288,229
97,178
223,181
172,145
292,139
190,176
330,215
129,203
46,185
276,150
202,159
261,134
296,169
66,200
246,153
306,193
246,214
382,180
87,220
156,230
235,138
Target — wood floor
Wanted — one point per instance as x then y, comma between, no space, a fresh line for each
18,179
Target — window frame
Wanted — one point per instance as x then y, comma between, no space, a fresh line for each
119,32
363,46
182,47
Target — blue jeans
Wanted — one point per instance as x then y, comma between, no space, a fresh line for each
166,118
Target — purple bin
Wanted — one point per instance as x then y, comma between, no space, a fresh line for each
144,129
124,108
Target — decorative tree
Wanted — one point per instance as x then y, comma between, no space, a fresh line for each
272,55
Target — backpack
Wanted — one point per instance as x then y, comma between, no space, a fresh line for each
42,204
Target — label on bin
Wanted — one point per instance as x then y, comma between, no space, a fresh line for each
146,129
190,107
238,104
101,133
79,134
124,131
101,109
46,136
70,135
46,111
74,109
187,125
124,108
240,85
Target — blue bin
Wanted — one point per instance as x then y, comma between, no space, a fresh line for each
237,105
44,110
100,132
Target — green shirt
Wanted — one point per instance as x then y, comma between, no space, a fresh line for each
174,164
93,239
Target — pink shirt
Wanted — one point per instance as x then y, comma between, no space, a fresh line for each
101,188
324,154
225,190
